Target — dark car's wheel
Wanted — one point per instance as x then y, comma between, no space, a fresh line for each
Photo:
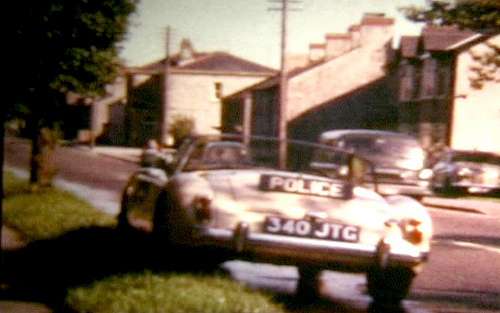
309,284
389,285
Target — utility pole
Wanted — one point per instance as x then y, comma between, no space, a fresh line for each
283,81
165,104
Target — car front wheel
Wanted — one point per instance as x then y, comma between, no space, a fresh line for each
309,284
123,221
389,285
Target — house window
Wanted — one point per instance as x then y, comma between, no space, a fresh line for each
407,83
430,73
443,79
218,90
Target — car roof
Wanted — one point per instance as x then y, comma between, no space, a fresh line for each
473,152
224,144
337,133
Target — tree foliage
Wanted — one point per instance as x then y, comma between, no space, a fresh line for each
481,16
67,45
60,46
181,128
478,15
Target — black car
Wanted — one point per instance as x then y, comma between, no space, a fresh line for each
472,172
398,159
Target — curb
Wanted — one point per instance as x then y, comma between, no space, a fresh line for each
451,207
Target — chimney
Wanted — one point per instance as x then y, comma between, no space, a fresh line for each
337,44
316,52
355,31
376,29
186,52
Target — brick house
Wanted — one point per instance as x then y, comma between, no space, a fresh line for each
196,83
438,99
345,84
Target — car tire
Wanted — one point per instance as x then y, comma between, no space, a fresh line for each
123,224
309,284
162,215
389,285
180,256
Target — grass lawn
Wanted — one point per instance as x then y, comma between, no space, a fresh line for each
175,293
49,213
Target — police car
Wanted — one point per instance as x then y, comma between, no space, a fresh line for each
282,202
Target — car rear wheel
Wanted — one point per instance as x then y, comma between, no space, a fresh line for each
389,285
123,224
179,256
309,284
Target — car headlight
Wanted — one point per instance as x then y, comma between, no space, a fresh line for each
464,172
343,170
411,230
425,174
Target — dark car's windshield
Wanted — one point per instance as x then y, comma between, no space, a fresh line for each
229,152
392,146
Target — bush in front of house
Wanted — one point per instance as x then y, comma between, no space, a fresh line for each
181,128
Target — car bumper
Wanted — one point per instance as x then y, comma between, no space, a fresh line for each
476,188
404,189
296,250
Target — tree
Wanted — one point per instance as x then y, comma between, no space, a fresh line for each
478,15
58,47
482,16
181,128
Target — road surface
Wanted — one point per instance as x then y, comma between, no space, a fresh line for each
463,273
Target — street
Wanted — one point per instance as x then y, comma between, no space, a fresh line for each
462,275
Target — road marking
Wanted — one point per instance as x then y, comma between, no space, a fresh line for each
466,244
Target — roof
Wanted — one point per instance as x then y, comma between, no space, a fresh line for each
441,38
221,61
338,36
211,62
436,39
376,19
409,46
317,45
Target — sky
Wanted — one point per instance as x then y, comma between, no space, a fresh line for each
247,28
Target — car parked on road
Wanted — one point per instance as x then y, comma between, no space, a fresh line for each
399,160
466,171
281,202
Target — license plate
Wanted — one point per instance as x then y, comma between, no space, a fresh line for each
311,229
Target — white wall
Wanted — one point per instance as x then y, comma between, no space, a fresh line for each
476,118
193,95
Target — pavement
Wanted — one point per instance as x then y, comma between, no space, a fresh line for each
12,240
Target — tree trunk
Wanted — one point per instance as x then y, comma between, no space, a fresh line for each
35,151
43,142
2,136
42,158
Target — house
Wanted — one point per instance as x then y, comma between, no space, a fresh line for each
345,84
192,87
440,101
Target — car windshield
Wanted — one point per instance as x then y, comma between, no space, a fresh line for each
234,152
391,145
476,158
